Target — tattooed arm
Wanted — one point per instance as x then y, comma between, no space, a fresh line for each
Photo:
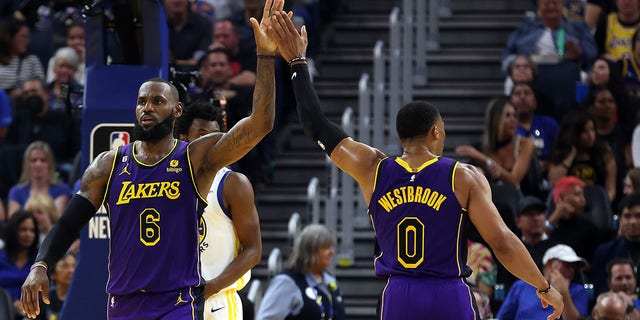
211,152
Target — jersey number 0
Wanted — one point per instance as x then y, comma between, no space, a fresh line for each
410,242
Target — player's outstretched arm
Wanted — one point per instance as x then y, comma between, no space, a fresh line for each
355,158
66,230
248,132
238,196
474,193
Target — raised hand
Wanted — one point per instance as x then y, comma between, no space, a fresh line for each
264,44
290,43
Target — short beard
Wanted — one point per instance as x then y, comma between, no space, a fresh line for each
156,133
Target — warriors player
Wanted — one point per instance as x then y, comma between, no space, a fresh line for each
230,229
419,204
152,191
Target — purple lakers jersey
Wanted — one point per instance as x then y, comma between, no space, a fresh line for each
154,212
417,220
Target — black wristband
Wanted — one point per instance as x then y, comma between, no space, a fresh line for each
545,291
296,59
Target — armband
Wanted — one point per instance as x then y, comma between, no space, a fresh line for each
39,264
545,291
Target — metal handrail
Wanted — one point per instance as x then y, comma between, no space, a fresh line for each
313,195
274,262
294,226
378,93
394,60
255,294
407,51
364,109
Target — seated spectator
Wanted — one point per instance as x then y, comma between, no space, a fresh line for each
30,106
530,220
63,122
560,48
621,279
609,305
632,182
38,176
189,34
305,290
626,245
75,40
615,30
521,70
602,107
579,153
542,129
566,223
45,212
16,64
21,246
506,156
560,266
606,73
61,278
241,55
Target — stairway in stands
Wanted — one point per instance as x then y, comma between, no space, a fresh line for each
463,75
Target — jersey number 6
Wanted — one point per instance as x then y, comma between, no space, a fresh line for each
149,228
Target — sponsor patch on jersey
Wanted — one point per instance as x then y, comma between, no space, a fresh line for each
173,166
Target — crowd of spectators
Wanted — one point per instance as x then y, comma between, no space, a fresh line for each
561,133
571,93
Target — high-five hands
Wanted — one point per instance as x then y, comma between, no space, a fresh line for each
264,44
282,30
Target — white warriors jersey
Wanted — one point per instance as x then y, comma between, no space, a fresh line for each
219,243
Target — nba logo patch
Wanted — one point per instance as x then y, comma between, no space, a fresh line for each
118,139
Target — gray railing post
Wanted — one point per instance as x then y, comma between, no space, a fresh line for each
313,194
407,51
331,205
345,255
420,78
434,22
378,94
394,61
364,109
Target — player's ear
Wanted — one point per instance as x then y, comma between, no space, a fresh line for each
434,131
177,110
